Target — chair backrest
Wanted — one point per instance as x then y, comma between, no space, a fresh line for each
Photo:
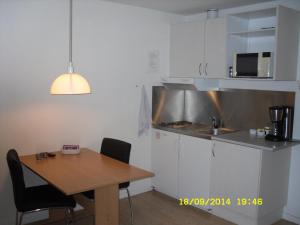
17,176
116,149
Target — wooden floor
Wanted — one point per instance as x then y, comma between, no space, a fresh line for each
154,208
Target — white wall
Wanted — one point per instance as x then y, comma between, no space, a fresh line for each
112,43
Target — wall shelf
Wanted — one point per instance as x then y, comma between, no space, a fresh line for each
257,14
269,32
273,30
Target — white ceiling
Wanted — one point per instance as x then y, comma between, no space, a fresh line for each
187,7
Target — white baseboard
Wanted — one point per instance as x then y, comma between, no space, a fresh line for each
291,218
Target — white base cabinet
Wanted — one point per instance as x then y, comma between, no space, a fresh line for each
190,167
165,162
244,175
215,49
194,168
181,165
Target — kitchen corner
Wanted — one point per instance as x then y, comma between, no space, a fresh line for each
232,164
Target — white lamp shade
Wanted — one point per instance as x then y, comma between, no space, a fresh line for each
70,84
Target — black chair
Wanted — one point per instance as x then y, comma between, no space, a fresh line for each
119,150
37,198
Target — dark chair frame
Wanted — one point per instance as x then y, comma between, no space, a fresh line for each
69,214
18,182
119,150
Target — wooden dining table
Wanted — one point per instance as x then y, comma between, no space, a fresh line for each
89,170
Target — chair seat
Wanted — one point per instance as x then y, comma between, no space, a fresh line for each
45,196
90,194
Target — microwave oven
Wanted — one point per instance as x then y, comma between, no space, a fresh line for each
253,65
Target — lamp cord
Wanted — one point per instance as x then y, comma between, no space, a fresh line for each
71,69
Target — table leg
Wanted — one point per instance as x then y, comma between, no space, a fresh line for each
107,205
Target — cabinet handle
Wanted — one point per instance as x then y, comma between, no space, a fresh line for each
200,65
205,69
213,153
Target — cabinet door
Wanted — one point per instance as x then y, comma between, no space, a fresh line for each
194,167
187,49
215,48
287,44
165,162
235,173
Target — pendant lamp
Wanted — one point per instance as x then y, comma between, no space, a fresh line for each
70,83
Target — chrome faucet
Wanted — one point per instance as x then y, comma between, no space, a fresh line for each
214,122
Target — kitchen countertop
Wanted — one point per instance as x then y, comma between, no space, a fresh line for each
226,135
245,139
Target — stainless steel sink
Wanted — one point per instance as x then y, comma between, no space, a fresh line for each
193,129
220,131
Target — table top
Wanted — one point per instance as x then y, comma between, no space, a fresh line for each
88,170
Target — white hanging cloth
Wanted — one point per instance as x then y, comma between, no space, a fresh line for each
144,114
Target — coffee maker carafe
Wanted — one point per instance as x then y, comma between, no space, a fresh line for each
276,116
282,123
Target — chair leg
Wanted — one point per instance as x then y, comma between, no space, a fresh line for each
66,216
17,217
21,218
94,220
130,206
69,216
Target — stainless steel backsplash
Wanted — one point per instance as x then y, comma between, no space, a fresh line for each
237,109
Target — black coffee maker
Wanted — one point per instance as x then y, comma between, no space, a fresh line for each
282,123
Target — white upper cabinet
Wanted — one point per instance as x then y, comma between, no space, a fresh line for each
273,30
215,48
287,44
187,49
206,49
198,49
